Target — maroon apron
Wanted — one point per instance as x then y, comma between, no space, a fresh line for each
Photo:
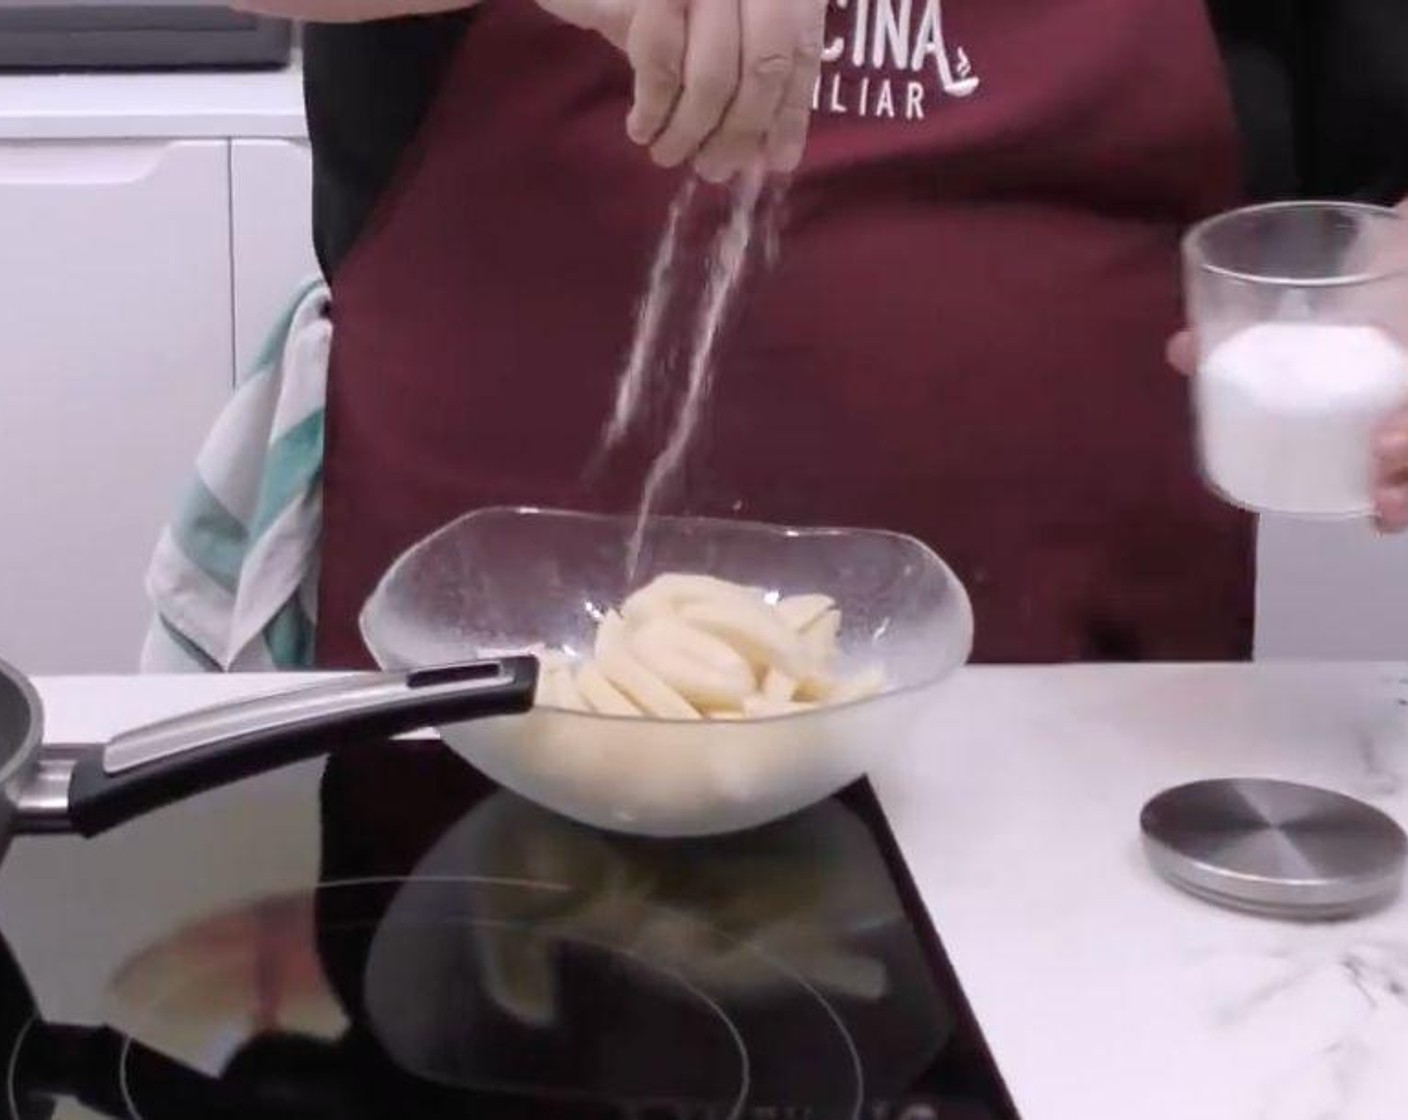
962,338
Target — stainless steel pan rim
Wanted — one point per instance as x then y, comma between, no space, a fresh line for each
18,758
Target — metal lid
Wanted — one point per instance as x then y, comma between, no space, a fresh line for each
1275,848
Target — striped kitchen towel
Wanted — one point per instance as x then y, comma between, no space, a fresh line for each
233,580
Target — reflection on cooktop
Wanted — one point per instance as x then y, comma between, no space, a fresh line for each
521,965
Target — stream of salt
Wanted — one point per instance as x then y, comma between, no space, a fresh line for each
727,261
645,362
643,379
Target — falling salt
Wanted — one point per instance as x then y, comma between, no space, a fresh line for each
643,381
727,262
631,390
645,374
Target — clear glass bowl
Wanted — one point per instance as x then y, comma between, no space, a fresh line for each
502,580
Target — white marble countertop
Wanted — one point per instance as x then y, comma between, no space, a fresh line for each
153,106
1105,994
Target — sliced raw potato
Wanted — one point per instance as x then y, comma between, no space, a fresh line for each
646,604
817,688
652,695
800,611
701,668
778,687
703,647
862,686
753,629
569,696
759,707
689,646
610,632
682,586
665,595
662,596
601,695
820,638
637,681
548,694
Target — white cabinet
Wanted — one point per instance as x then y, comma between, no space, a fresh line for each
1331,591
115,354
272,236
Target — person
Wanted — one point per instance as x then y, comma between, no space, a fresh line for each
962,337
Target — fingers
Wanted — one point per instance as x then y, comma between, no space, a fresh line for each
655,45
769,35
711,76
724,83
788,138
1182,352
1391,492
1393,510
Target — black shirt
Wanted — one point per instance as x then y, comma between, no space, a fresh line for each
1320,88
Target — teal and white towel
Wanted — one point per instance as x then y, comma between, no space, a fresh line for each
233,580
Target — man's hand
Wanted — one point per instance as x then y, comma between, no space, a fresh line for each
1390,449
722,83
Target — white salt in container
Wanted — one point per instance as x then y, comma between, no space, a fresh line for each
1288,412
1300,311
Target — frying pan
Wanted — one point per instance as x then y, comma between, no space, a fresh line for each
89,790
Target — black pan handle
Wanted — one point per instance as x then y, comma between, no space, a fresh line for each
166,762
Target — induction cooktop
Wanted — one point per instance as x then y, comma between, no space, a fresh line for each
467,954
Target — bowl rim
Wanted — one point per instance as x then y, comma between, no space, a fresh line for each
930,556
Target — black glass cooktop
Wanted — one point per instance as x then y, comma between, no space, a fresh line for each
468,955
